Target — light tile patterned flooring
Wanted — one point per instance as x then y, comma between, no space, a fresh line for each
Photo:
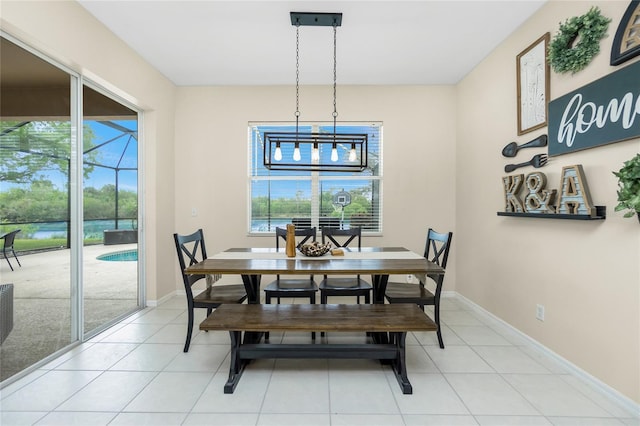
136,374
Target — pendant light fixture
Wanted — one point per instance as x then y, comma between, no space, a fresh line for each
348,151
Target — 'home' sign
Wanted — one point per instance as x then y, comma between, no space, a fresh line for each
602,112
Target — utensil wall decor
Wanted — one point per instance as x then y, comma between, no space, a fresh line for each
536,161
511,149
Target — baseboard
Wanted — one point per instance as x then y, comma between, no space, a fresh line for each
155,303
624,401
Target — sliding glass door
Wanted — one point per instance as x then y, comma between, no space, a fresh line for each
69,183
35,164
110,210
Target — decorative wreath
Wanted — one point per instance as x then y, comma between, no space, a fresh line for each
589,29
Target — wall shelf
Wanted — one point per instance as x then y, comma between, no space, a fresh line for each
601,214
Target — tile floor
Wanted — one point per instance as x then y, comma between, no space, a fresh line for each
136,374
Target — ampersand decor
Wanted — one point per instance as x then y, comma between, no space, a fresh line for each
574,199
587,30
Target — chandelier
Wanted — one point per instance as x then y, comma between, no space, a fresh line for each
348,150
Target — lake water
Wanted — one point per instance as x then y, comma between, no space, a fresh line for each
95,228
92,228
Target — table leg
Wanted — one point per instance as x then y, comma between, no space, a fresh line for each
379,284
252,286
236,365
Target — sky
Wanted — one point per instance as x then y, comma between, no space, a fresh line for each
116,143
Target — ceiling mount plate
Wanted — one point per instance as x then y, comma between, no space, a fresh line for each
316,19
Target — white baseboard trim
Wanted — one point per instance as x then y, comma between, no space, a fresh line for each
627,403
155,303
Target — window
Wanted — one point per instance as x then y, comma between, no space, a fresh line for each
305,198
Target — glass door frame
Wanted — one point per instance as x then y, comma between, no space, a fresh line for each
79,171
76,216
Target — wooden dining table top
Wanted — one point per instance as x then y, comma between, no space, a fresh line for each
366,260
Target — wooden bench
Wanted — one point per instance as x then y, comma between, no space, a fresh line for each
388,325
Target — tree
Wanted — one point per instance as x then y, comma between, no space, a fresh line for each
41,202
30,150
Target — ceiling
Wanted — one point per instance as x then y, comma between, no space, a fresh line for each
214,42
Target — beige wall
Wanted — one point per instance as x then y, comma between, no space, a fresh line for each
419,155
586,274
65,32
442,168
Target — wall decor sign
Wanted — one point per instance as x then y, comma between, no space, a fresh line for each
602,112
532,76
573,197
626,43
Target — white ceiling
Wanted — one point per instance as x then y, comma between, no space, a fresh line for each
214,42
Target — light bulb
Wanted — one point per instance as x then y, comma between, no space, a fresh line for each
352,153
278,154
296,153
315,153
334,154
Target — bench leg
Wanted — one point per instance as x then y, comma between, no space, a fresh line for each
237,365
400,365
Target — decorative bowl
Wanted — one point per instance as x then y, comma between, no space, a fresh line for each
314,249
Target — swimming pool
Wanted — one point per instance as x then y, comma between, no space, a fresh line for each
120,256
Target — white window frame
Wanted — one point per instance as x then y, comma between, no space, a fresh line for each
314,177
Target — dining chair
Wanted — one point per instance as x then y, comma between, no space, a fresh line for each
343,286
292,287
191,250
437,251
9,239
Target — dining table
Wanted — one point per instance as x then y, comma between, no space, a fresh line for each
378,262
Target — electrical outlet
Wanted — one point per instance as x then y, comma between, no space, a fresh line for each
409,278
540,312
194,212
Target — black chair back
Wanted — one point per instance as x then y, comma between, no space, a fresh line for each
191,250
342,237
307,233
437,249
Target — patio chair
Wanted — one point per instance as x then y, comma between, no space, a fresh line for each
349,286
192,247
292,287
437,251
9,238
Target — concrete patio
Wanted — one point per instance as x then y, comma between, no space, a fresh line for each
42,313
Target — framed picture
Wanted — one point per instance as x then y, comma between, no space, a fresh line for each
532,69
626,43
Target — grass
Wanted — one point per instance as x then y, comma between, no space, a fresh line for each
28,244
